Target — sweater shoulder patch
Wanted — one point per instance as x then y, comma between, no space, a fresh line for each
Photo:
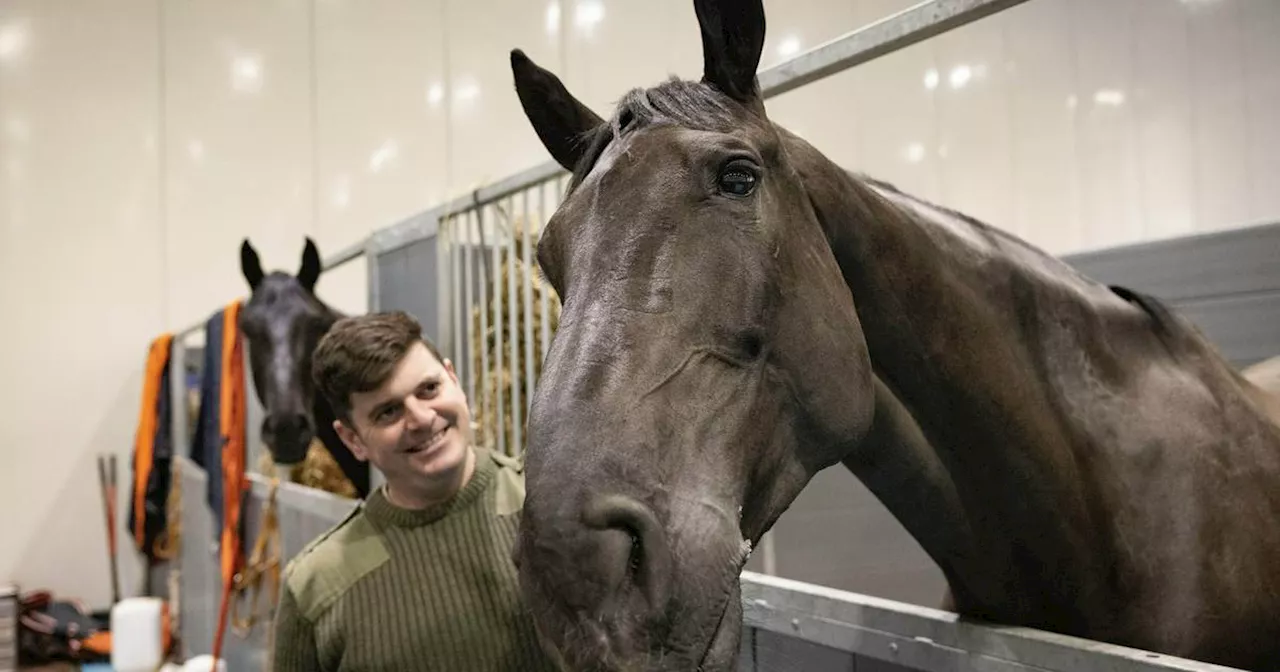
329,566
509,485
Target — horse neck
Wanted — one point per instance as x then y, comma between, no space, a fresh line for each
356,471
954,315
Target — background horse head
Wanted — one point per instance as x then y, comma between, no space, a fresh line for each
739,313
707,363
282,323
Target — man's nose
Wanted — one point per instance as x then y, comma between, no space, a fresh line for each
419,413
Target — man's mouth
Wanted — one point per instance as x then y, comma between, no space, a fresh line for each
431,443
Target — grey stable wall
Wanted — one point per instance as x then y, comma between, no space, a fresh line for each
1228,283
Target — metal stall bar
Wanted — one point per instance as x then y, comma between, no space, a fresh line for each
517,446
892,33
468,260
373,278
486,401
499,426
779,612
444,299
527,285
454,249
546,310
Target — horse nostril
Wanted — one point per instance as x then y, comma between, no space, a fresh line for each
636,545
288,435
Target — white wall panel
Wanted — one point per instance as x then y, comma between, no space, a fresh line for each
238,143
81,278
1219,112
1043,97
382,150
1261,22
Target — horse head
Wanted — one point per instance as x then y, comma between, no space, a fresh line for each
282,322
708,362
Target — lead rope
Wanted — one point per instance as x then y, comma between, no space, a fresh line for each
250,577
261,564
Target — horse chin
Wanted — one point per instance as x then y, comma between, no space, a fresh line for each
722,651
290,457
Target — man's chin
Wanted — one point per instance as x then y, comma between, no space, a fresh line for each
443,460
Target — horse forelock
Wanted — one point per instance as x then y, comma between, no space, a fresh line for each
693,105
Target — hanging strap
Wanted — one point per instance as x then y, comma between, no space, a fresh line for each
262,563
234,484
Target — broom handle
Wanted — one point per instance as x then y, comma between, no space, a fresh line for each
111,530
104,488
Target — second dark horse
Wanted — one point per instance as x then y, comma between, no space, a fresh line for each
282,322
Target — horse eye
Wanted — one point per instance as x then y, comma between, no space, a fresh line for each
737,180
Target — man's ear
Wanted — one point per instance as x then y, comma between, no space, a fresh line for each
562,122
351,439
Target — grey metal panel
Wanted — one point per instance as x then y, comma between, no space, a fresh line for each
407,278
746,651
928,639
1226,282
198,595
775,651
1246,328
1222,263
390,276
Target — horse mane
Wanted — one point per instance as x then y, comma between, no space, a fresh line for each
997,236
1161,313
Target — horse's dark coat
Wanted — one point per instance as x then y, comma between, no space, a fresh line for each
283,322
1074,457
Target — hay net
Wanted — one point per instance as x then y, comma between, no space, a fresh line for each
489,417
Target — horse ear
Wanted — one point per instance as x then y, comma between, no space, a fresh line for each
732,41
560,120
249,265
310,270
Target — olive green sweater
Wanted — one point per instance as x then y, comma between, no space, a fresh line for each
398,589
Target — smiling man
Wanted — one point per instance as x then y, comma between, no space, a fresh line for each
419,577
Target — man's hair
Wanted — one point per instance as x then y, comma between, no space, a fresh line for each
359,354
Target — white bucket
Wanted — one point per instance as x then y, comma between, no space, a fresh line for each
137,634
204,664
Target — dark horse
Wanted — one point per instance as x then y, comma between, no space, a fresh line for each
740,313
282,323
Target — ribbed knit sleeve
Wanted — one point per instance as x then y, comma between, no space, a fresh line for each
294,649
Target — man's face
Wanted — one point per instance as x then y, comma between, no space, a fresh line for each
415,428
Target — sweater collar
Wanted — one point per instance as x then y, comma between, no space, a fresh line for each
383,513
